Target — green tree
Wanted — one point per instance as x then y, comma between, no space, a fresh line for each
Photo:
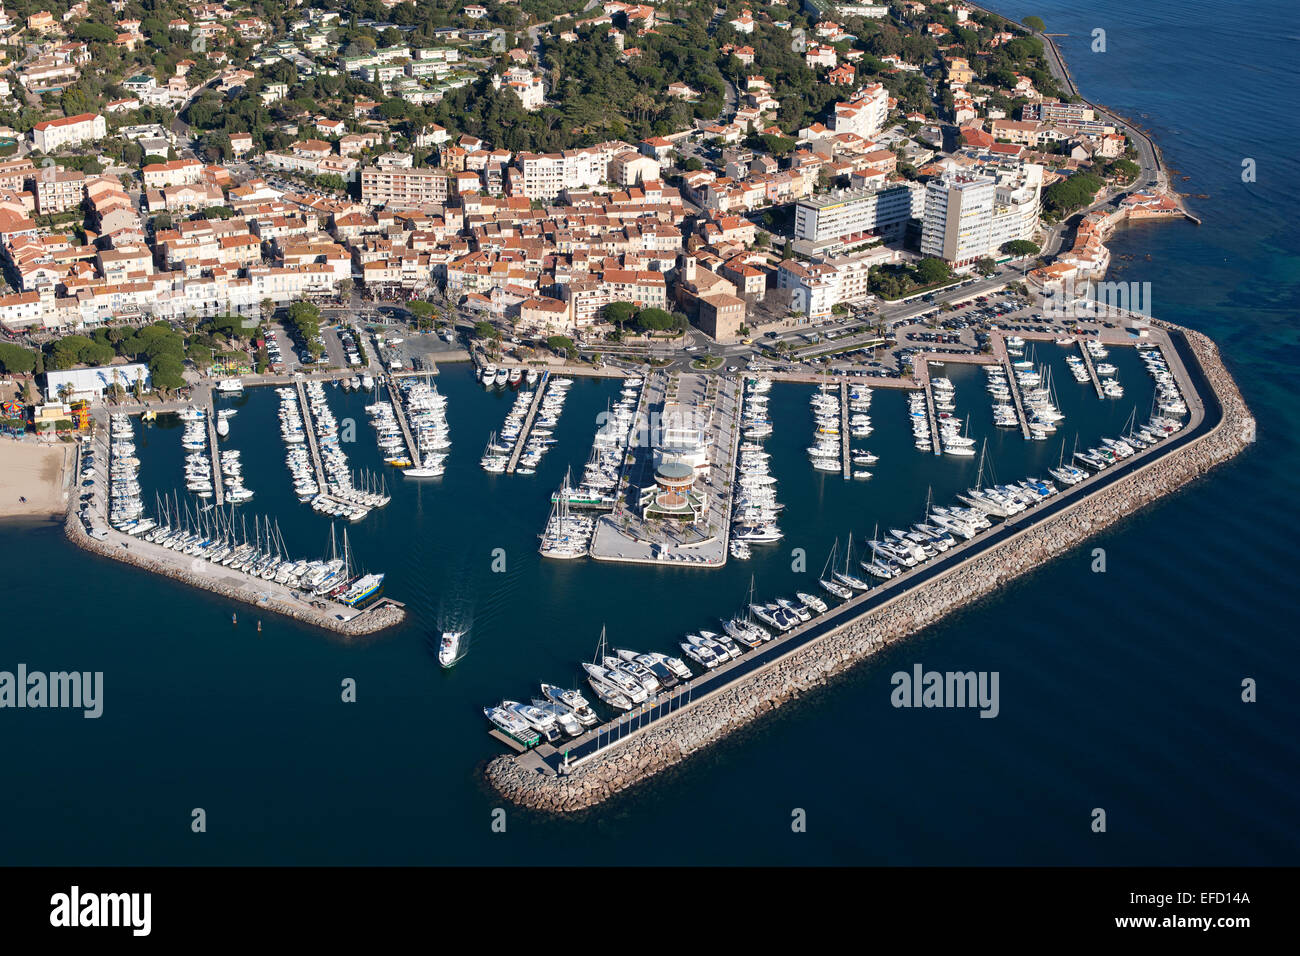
1019,248
654,320
16,360
620,313
168,373
931,271
1034,23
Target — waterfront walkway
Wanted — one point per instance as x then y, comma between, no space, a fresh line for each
210,417
932,419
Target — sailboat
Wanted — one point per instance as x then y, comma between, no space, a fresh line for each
613,687
844,577
830,585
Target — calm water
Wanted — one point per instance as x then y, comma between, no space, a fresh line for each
1118,690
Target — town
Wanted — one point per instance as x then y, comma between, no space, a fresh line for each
764,178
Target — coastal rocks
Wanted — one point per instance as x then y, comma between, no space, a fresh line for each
673,739
368,622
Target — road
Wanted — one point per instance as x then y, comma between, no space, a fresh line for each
1154,172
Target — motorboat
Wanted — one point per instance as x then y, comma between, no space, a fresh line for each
512,724
536,718
449,647
573,700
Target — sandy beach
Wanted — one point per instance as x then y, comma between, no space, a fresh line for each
37,472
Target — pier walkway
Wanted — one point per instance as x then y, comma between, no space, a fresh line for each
218,486
1092,370
528,423
309,426
930,416
1000,350
399,412
844,430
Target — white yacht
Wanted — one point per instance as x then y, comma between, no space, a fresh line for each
449,647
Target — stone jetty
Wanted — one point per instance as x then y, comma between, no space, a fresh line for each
530,781
262,595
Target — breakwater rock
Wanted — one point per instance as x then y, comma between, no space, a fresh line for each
367,622
668,741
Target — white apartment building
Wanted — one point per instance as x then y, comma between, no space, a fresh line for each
546,175
398,187
958,223
865,114
55,134
1016,205
839,220
817,287
177,172
527,85
814,287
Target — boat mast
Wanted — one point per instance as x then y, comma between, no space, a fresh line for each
830,558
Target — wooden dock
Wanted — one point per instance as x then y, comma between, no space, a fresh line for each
528,423
845,458
218,486
1092,371
1014,384
309,426
399,412
930,416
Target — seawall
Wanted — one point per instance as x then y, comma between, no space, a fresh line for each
529,781
367,622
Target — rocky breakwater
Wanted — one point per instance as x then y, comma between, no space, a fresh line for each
670,740
264,598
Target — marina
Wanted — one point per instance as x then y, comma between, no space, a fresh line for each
661,731
399,414
521,441
1115,686
737,418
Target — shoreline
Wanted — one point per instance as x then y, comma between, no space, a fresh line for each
529,781
39,471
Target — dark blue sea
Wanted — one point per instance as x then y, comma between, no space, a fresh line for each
1118,690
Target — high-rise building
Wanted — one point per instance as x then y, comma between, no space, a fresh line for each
840,220
958,223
